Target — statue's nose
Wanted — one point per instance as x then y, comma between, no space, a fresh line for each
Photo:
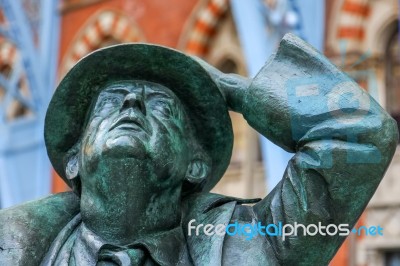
135,101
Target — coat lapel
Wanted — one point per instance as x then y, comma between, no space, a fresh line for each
207,208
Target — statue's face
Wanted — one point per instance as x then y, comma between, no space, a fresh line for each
140,121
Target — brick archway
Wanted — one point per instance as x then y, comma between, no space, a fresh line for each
102,27
352,17
202,26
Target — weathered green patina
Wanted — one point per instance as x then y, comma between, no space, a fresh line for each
142,133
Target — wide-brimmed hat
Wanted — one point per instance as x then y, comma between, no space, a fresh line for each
190,82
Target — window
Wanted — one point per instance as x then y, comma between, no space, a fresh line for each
392,258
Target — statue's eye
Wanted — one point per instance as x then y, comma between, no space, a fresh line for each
106,103
109,101
163,108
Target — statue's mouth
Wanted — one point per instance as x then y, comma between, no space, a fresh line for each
130,121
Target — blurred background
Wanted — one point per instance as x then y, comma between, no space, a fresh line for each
40,40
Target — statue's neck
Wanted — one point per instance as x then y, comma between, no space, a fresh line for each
122,209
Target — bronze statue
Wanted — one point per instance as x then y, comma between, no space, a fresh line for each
141,133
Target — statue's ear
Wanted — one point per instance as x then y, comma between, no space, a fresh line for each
72,167
197,171
71,161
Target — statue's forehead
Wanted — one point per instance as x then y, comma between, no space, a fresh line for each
144,87
124,87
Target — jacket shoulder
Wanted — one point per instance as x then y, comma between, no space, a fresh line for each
27,230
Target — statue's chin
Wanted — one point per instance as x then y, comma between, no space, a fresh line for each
125,146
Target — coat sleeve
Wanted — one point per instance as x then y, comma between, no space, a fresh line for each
342,141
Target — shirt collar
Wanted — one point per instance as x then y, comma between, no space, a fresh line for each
165,248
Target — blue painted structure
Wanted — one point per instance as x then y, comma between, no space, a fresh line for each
25,171
260,29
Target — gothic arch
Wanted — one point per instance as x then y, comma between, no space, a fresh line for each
349,23
353,14
384,28
102,29
201,26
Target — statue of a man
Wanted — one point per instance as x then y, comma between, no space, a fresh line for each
142,133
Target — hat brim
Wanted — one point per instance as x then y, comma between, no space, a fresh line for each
190,82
